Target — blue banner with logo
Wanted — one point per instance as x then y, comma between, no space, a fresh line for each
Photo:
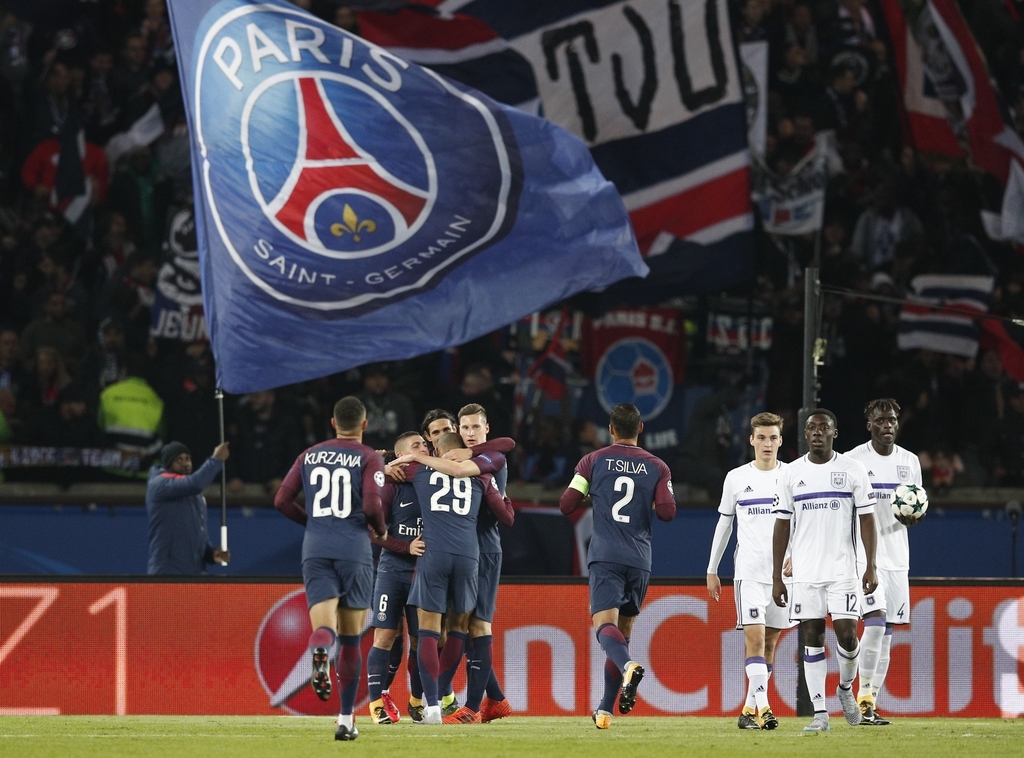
353,207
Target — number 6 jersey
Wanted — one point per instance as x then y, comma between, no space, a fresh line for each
342,480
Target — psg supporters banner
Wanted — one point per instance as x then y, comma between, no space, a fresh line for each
957,333
177,312
181,648
946,76
651,86
353,207
637,355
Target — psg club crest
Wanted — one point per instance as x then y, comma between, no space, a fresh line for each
838,478
903,472
634,371
329,177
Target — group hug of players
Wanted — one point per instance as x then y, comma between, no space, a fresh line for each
440,558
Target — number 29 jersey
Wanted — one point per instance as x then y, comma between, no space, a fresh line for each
450,507
625,482
336,475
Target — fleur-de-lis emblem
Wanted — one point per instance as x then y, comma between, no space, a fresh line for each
352,224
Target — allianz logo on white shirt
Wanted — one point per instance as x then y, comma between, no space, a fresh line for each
820,506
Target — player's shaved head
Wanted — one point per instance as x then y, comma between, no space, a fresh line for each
349,414
448,441
827,414
625,420
405,442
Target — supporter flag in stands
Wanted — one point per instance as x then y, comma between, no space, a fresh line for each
353,207
651,86
951,104
177,312
549,372
955,328
637,355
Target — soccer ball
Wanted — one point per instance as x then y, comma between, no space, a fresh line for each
910,501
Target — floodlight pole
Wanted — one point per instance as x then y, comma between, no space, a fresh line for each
219,394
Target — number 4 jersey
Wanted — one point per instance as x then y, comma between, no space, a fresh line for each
342,480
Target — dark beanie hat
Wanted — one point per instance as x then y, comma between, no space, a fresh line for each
171,451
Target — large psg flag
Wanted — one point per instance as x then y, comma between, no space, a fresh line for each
353,207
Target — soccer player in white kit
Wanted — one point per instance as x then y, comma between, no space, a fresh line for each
889,466
819,495
748,496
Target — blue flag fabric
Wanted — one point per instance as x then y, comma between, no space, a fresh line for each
352,207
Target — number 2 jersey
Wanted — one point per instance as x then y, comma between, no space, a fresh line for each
342,480
822,500
624,483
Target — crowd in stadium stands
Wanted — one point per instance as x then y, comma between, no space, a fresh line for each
84,220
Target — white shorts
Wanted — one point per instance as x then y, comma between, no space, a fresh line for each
877,600
839,599
754,605
897,595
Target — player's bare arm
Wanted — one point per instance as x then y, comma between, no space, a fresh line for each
869,536
780,541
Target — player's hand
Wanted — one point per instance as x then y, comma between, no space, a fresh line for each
221,452
221,556
870,580
395,470
381,537
417,546
787,567
909,521
458,454
779,593
714,587
404,460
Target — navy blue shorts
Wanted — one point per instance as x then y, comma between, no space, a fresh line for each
349,581
616,586
445,581
487,586
390,601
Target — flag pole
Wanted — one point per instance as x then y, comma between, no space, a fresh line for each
219,394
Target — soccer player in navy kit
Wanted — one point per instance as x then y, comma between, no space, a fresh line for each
446,575
624,481
342,479
480,457
391,589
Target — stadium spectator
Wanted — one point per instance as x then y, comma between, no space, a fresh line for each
388,413
13,378
883,226
178,542
477,387
54,329
266,441
105,362
131,414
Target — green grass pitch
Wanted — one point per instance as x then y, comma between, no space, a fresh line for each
253,737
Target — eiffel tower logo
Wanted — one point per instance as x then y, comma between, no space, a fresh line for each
330,162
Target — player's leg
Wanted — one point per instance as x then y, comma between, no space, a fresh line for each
750,617
454,648
844,607
483,679
810,606
635,586
415,708
874,608
897,598
771,640
462,601
387,622
353,606
607,594
322,591
430,591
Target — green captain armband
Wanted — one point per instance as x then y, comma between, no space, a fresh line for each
580,484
